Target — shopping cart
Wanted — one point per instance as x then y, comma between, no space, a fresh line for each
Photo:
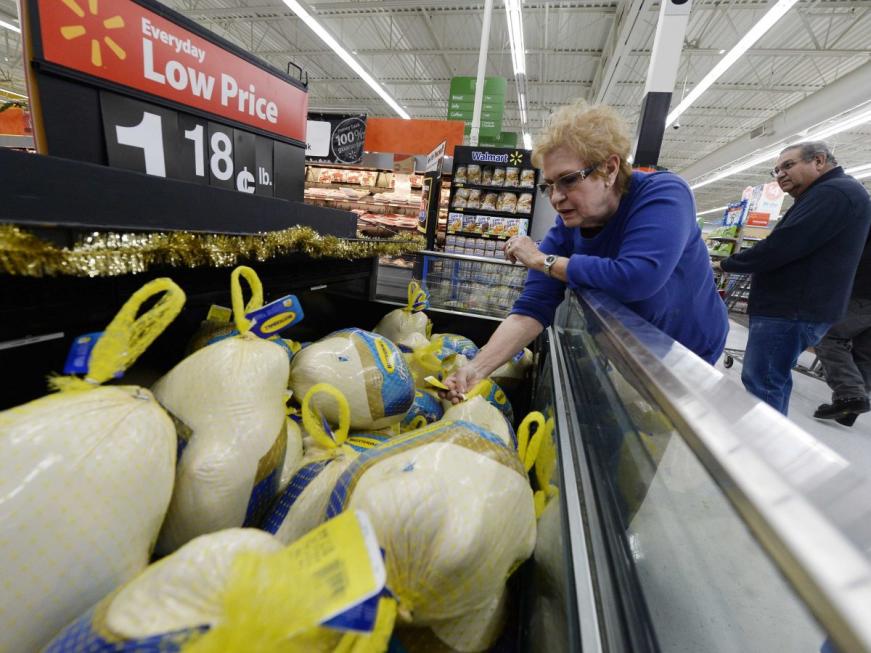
735,290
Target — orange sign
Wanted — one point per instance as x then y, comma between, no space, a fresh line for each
412,136
757,219
125,43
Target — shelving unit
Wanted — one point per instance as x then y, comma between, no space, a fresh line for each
735,288
473,230
357,189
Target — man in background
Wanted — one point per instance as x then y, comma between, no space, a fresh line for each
845,353
803,272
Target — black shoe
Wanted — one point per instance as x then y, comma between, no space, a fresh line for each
842,408
847,420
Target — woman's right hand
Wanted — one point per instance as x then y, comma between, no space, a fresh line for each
460,382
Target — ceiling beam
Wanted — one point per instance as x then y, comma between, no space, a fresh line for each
839,96
459,7
624,27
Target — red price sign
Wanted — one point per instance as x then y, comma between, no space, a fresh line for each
757,219
125,43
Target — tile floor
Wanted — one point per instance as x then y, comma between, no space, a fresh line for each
852,443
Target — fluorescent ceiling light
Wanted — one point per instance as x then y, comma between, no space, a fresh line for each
515,36
755,33
327,38
719,208
864,175
865,167
514,16
814,134
10,26
8,92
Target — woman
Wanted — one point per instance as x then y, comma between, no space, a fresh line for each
630,234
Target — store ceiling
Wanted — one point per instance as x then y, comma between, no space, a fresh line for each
414,47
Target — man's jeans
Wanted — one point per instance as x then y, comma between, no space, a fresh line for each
845,353
773,347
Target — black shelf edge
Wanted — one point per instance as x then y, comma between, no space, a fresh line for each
46,191
497,214
478,235
507,189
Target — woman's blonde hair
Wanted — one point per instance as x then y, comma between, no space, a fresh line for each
593,132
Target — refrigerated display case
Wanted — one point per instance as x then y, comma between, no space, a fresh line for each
691,516
683,514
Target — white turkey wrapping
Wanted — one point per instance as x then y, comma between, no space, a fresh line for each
366,368
231,397
453,510
85,479
478,411
407,326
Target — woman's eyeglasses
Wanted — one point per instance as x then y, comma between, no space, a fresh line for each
567,182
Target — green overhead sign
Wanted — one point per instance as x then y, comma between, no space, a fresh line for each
505,139
461,104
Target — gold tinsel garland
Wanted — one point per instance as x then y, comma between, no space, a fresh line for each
106,254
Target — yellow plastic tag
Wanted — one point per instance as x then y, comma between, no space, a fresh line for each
417,298
219,314
340,562
274,599
434,382
314,423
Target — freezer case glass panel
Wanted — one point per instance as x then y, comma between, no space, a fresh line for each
687,570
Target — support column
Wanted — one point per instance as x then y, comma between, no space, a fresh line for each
661,75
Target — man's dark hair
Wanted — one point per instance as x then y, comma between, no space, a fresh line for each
809,149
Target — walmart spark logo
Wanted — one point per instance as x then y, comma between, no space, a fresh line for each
516,158
72,32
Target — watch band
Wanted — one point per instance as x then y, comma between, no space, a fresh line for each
549,261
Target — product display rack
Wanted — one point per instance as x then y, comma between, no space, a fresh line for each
470,227
356,189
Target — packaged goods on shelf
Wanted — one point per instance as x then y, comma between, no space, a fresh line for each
487,176
228,403
488,201
524,203
507,202
527,178
512,177
86,476
460,175
473,174
473,199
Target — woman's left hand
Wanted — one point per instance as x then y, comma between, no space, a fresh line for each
523,250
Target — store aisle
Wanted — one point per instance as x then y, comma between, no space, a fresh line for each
852,443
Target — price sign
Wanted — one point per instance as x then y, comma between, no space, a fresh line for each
147,138
134,85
